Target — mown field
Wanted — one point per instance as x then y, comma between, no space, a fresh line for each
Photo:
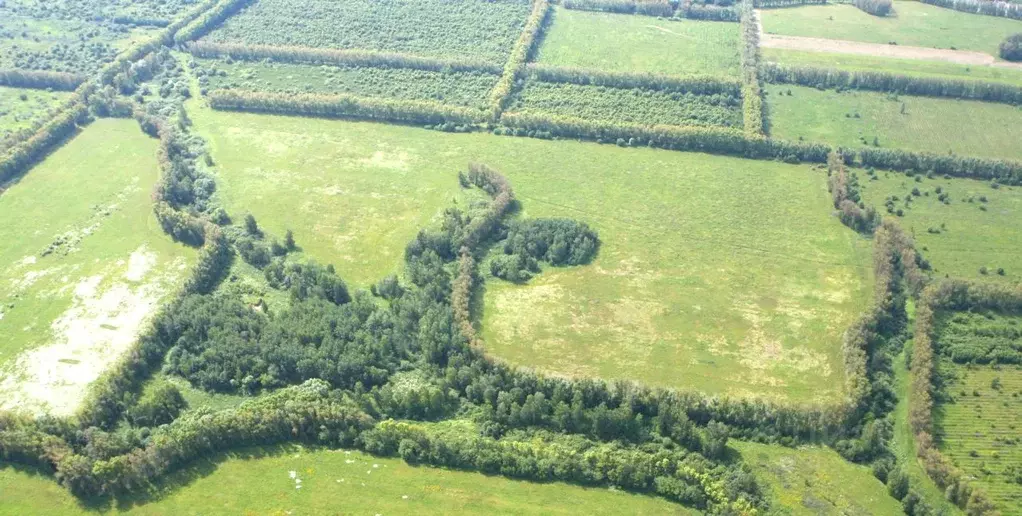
90,265
692,286
980,430
911,67
450,87
451,29
913,24
628,43
855,118
968,235
816,481
258,481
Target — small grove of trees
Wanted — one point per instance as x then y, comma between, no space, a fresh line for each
514,69
699,85
1011,48
559,242
160,403
874,7
844,191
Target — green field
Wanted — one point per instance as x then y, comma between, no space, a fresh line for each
458,88
17,114
816,481
969,237
442,28
855,118
257,482
627,43
90,265
980,430
75,44
913,24
912,67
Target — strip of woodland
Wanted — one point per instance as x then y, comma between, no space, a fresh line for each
208,20
514,69
752,93
999,170
696,84
40,79
658,8
1001,9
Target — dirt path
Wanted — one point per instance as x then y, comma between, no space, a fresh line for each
839,46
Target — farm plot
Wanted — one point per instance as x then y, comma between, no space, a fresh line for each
913,24
628,43
21,109
87,265
458,88
637,106
861,118
816,481
692,286
979,430
976,230
440,28
259,481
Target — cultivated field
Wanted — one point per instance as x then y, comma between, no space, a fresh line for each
626,43
855,118
968,232
913,24
90,265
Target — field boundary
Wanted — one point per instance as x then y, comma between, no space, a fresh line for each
1000,9
657,8
697,84
752,92
523,50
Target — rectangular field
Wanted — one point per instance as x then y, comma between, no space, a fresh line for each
440,28
855,118
694,286
969,233
85,264
629,43
912,23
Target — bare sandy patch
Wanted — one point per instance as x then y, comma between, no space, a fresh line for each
139,264
391,160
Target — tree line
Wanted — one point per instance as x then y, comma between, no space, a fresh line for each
827,78
514,69
768,4
1002,171
213,13
659,8
40,79
752,94
844,192
698,84
987,7
338,57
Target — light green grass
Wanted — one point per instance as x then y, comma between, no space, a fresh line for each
629,43
971,238
17,114
913,67
816,481
257,482
913,23
95,192
980,434
928,124
695,286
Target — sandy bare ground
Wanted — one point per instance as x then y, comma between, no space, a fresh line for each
839,46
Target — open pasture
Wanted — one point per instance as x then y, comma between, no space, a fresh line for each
90,267
451,29
979,430
22,108
258,481
856,118
469,89
639,44
816,481
968,234
912,23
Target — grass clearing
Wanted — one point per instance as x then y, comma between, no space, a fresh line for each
90,265
17,114
816,481
257,481
969,238
855,118
912,23
629,43
692,287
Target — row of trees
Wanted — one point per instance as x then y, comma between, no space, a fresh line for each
844,192
213,13
514,69
40,79
767,4
987,7
1002,171
20,157
752,94
698,84
825,78
659,8
338,57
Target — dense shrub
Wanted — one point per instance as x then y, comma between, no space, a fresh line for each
559,242
844,191
160,403
874,7
1011,48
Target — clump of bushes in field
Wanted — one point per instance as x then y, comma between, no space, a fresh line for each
875,7
559,242
1011,48
844,191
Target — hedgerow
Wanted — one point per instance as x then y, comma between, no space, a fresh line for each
987,7
514,69
752,94
40,80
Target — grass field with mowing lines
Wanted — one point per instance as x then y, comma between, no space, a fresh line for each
928,124
816,481
257,481
912,67
971,238
693,286
913,23
980,430
628,43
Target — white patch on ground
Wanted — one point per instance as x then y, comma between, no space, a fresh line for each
29,278
98,328
28,260
395,161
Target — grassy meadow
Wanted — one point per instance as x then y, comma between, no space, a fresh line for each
855,118
257,481
17,113
971,235
912,23
90,263
816,481
979,431
629,43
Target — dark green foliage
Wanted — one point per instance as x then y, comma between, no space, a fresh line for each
1003,171
160,403
388,288
1011,48
40,80
844,191
559,242
1003,9
307,281
980,338
874,7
